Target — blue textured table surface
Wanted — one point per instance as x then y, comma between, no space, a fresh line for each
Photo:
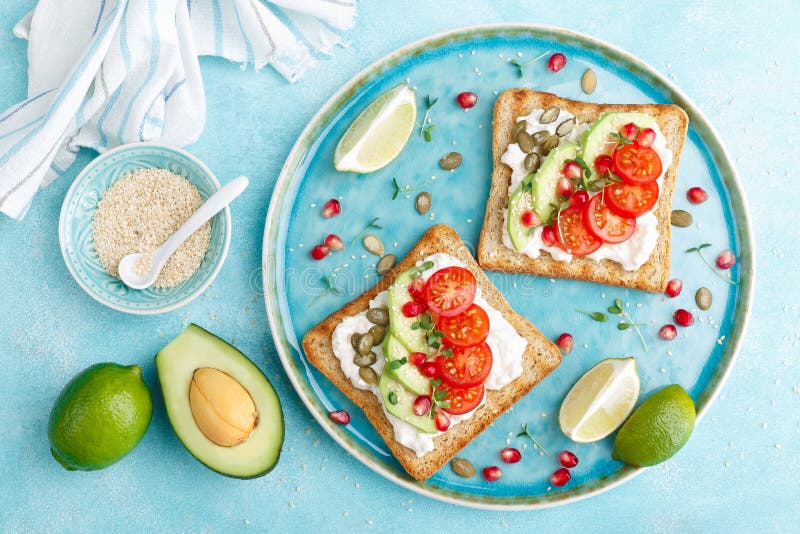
739,472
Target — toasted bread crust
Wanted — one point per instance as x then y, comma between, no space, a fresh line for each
494,255
540,358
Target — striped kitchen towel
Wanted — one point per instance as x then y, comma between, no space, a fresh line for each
107,72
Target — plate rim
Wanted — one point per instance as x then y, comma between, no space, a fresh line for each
465,33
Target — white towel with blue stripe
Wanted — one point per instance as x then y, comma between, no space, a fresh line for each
108,72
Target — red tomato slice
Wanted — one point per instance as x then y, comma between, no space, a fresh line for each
636,164
572,235
465,329
468,367
631,200
606,225
462,400
450,291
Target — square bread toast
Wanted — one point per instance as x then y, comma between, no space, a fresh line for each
540,358
494,255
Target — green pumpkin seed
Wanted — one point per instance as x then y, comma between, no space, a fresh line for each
378,316
450,161
378,332
589,81
549,115
532,162
550,144
373,244
525,142
385,264
365,344
365,360
565,127
703,298
462,467
423,202
681,218
368,375
520,126
354,339
540,137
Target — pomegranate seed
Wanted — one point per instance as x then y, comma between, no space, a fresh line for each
417,358
696,195
579,198
492,473
683,317
560,477
510,455
334,242
646,137
548,236
564,186
565,342
572,170
567,459
429,369
674,288
441,421
603,163
668,332
319,252
331,208
422,405
726,259
417,289
412,308
629,131
340,416
467,99
556,62
530,219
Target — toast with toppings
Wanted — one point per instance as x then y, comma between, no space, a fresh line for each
494,255
540,357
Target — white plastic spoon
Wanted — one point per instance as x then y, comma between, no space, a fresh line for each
214,204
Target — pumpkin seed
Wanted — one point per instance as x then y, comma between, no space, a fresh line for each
589,81
373,244
450,161
365,360
423,202
703,298
525,142
550,144
462,467
365,344
565,127
520,126
378,316
681,218
532,162
549,115
354,339
378,332
540,137
386,263
368,375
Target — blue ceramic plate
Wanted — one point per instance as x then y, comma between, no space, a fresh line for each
75,228
476,59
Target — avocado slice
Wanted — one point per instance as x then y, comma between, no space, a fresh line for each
197,349
403,406
597,137
408,375
400,325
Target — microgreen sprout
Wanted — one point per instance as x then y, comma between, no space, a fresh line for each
699,250
521,66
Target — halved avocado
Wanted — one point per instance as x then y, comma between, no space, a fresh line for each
194,349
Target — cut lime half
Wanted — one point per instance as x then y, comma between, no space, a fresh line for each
379,133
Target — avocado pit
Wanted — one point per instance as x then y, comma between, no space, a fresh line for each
222,408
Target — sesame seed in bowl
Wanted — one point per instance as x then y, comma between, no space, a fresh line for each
130,199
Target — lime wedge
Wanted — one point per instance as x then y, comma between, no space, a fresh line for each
600,400
379,133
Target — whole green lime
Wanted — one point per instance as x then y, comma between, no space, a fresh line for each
657,429
99,417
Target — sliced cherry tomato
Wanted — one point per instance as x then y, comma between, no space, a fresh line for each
631,200
462,400
467,367
572,235
450,291
465,329
636,164
606,225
